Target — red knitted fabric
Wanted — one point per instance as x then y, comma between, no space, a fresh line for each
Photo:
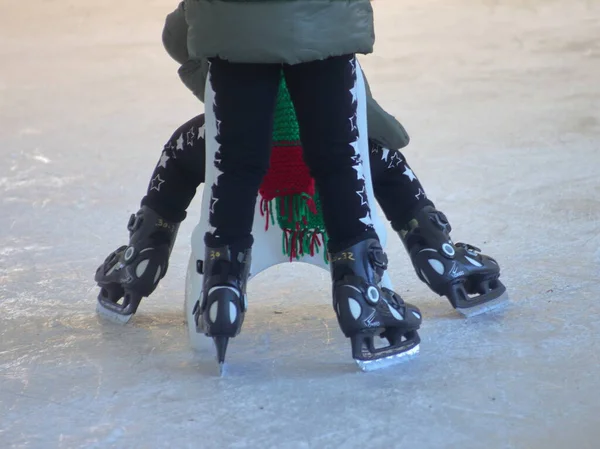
287,174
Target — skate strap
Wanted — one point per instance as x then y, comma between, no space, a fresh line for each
378,259
468,247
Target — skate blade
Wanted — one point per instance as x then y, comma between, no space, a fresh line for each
221,346
387,362
494,304
112,316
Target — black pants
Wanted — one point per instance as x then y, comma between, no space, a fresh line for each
180,171
325,101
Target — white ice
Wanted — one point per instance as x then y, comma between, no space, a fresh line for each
502,100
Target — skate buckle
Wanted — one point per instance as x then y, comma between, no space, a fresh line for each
469,248
135,221
448,250
379,258
440,220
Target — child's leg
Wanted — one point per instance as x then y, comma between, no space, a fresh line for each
243,106
325,98
240,102
459,271
326,111
133,271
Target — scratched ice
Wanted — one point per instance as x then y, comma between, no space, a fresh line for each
502,102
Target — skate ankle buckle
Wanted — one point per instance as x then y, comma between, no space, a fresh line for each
439,219
134,223
379,259
392,298
473,250
244,260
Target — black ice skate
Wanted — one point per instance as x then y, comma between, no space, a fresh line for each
367,312
220,312
469,279
133,272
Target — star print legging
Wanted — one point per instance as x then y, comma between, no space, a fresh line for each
180,171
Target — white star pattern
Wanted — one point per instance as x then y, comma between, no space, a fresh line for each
367,221
213,202
395,160
163,160
170,146
217,162
190,136
353,65
363,196
180,143
354,93
409,173
354,146
353,126
360,174
156,183
384,154
419,193
357,166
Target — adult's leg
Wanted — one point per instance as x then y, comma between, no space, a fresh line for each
179,172
469,279
397,189
133,271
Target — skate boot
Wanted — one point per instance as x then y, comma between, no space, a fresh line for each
133,272
367,312
469,279
219,313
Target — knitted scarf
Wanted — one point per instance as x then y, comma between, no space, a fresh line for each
288,194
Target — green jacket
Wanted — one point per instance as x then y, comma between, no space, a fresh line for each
382,127
278,31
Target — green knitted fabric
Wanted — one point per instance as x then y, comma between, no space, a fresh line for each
285,124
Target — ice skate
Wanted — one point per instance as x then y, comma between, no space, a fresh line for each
469,279
132,272
220,312
367,313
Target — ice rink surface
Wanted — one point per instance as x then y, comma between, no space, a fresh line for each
502,100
